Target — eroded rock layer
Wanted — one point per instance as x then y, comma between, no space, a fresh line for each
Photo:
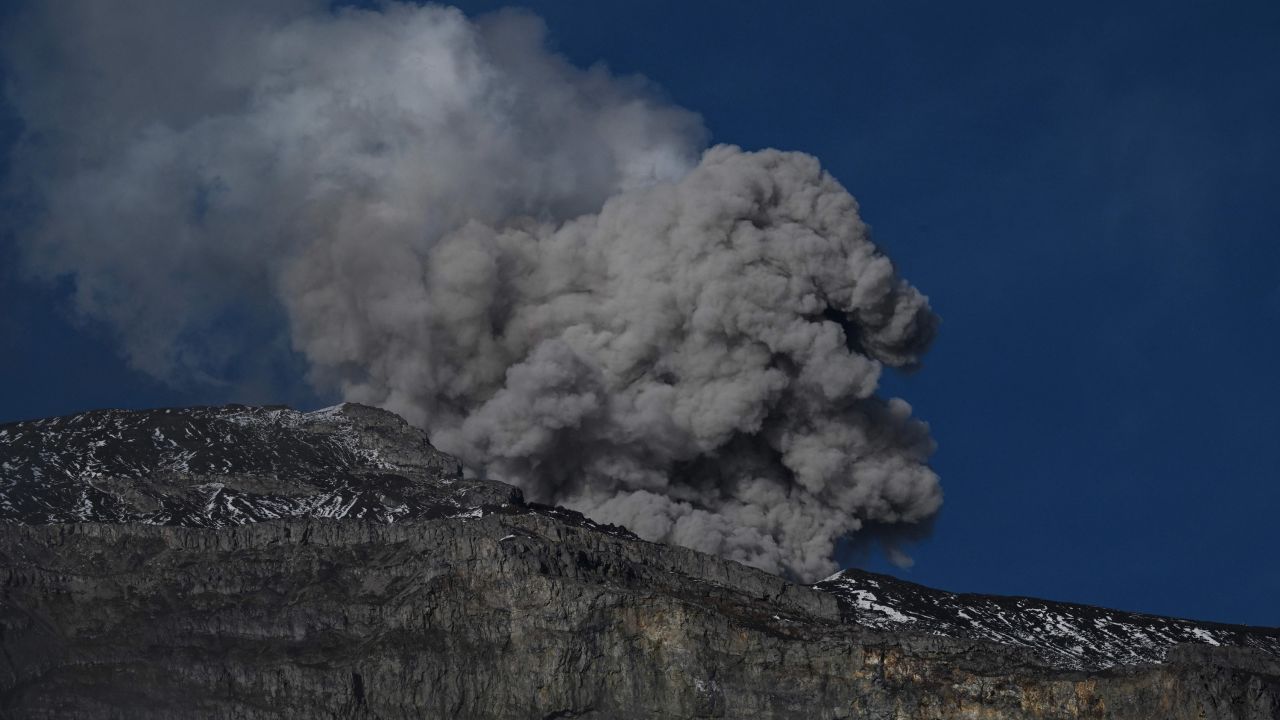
274,574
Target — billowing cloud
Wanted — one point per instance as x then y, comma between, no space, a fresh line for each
538,263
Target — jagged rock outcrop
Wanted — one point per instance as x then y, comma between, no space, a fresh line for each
261,563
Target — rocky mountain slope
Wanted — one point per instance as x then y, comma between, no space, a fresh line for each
1063,635
261,563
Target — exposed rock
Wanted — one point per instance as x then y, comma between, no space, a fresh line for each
1063,635
135,588
216,467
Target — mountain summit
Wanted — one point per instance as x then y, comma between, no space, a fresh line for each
241,562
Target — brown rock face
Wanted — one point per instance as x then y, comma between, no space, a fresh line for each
507,611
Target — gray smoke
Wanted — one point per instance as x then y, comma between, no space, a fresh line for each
534,261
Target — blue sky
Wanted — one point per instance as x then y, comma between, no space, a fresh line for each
1088,194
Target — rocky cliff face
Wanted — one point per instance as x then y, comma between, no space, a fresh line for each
261,563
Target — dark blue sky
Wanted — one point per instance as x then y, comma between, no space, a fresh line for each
1089,195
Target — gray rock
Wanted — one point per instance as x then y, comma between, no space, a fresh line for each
151,602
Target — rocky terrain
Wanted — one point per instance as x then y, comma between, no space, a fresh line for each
262,563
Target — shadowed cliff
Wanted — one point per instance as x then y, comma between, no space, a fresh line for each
260,563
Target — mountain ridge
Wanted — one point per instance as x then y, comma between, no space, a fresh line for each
220,519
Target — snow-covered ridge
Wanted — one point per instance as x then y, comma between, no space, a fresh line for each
1063,634
221,466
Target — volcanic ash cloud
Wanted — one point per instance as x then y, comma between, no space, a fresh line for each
531,260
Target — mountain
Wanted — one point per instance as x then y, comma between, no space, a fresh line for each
242,562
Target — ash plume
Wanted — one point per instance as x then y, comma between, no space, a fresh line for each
538,263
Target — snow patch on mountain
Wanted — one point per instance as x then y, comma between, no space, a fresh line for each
224,466
1064,634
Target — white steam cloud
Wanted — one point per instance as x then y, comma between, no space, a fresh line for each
536,262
